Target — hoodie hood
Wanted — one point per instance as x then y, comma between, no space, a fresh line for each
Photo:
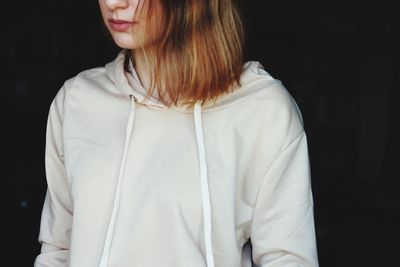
254,78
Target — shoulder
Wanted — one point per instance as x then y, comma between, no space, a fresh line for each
94,76
90,82
266,88
276,108
87,84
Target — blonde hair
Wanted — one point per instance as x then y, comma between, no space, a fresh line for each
199,54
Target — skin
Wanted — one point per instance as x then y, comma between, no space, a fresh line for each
130,10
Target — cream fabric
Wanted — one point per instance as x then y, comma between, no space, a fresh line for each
133,183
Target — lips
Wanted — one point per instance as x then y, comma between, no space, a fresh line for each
120,25
119,21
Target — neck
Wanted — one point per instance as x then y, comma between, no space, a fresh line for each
142,70
141,67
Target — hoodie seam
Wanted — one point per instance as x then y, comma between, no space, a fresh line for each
68,86
265,174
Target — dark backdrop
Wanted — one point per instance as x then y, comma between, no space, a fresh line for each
339,61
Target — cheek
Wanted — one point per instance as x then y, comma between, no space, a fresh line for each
103,8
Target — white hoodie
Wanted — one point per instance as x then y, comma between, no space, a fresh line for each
134,184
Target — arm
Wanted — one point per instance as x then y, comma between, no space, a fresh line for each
56,218
283,233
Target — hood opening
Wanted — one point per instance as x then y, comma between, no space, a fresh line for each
122,72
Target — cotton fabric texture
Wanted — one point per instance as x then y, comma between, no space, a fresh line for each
133,183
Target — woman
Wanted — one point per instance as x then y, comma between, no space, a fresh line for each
176,153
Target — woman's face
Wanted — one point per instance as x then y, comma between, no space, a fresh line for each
132,33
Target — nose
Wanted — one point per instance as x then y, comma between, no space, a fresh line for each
123,4
114,4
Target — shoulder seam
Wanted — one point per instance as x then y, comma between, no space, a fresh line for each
67,88
302,133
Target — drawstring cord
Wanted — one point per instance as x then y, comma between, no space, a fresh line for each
111,225
204,185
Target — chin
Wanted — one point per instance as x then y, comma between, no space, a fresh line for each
126,42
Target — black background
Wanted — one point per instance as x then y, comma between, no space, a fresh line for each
340,62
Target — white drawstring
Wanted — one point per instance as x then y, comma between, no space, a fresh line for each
111,225
204,185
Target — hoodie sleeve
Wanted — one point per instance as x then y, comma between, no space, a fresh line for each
283,233
56,217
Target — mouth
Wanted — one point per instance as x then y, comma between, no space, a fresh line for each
120,25
120,21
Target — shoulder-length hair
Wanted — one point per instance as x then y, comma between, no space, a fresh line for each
200,51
